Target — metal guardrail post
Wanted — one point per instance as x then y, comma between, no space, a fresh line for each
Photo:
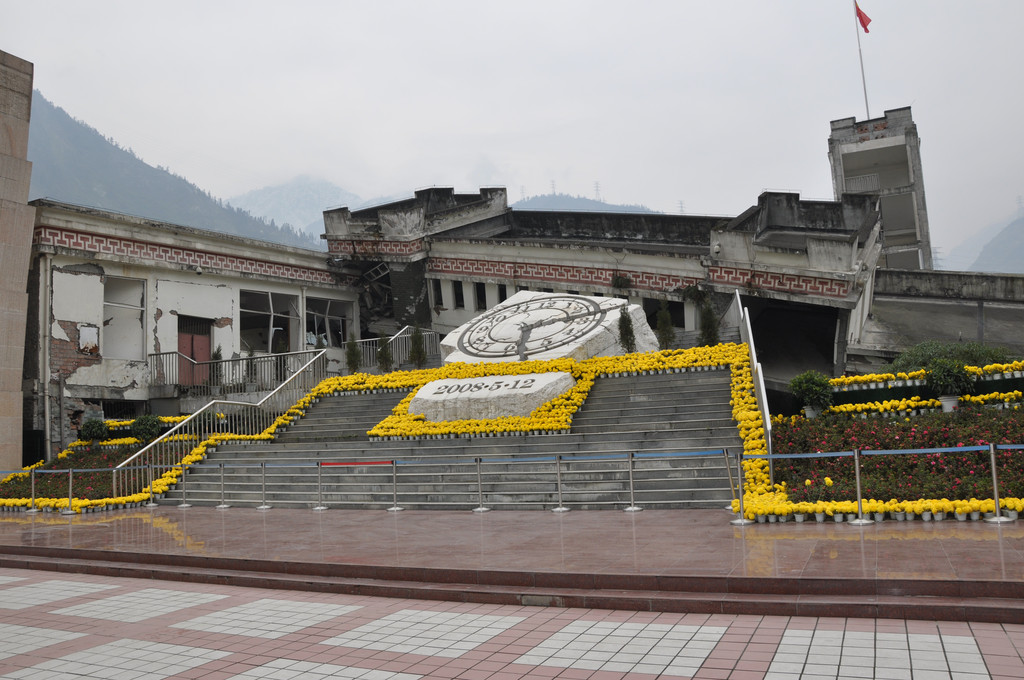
68,510
999,517
223,503
152,496
740,521
558,482
263,484
861,519
319,507
394,488
632,504
479,490
184,495
32,483
728,471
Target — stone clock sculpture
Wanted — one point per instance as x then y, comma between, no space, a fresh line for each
533,325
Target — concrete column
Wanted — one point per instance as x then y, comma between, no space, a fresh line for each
16,222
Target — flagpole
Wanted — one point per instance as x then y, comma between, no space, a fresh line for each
863,80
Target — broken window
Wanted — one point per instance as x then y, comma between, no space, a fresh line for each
267,321
326,323
460,301
124,318
436,290
481,296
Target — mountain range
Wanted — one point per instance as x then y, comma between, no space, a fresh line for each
74,163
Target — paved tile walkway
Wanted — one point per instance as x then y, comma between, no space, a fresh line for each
96,627
67,625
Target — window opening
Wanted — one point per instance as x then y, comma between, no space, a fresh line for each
124,318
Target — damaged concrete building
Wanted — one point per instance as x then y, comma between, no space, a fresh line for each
125,312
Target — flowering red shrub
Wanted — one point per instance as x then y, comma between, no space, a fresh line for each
954,475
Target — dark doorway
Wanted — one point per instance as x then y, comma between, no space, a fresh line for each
194,340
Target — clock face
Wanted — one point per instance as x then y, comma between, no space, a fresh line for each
547,323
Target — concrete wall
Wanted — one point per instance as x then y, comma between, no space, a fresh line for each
910,307
950,285
15,242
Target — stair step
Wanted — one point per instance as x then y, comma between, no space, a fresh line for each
823,597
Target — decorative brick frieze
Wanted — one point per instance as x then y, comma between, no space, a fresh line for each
785,283
188,257
375,247
556,273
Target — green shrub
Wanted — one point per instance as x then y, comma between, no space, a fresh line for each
626,336
417,349
146,428
384,358
665,331
353,355
812,388
965,353
948,377
95,430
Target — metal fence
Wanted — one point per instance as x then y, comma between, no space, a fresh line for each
857,454
557,482
465,482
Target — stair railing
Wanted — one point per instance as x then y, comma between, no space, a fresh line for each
760,393
240,418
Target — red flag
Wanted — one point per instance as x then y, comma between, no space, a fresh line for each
864,19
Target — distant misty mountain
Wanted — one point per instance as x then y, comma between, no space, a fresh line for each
299,203
580,203
73,163
1004,254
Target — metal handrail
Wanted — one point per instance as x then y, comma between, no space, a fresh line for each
760,392
192,417
250,418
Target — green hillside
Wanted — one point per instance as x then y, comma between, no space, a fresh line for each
74,163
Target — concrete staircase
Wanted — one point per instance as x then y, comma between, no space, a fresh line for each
654,418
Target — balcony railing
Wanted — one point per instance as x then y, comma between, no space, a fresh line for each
863,184
401,344
245,374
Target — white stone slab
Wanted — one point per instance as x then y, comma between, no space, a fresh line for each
545,326
491,397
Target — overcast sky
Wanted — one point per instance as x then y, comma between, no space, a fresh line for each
664,103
